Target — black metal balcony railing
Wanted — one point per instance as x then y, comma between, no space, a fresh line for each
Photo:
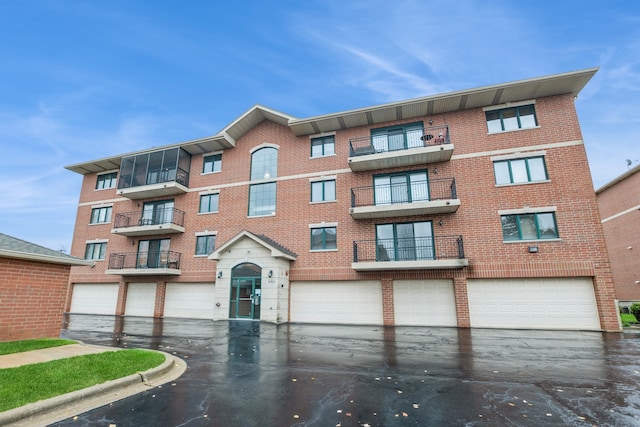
415,138
421,191
158,217
145,260
154,176
416,249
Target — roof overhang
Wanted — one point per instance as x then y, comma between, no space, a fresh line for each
4,253
275,251
557,84
224,139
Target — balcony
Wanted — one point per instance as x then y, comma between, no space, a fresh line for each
145,264
155,174
140,223
440,252
435,196
415,147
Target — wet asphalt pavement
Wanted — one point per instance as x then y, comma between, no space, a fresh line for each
244,373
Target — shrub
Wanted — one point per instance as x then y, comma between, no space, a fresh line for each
635,310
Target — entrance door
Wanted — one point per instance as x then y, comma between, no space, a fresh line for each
246,291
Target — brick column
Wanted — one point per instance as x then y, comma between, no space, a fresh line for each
122,298
161,292
388,312
462,301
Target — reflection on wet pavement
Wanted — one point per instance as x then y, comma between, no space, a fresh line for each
246,373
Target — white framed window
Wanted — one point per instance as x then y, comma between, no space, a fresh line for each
205,244
323,190
209,203
95,250
520,170
212,163
100,215
512,117
106,180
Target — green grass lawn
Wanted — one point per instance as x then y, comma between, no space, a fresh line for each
628,319
11,347
38,381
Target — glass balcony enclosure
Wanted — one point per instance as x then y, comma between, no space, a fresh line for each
157,173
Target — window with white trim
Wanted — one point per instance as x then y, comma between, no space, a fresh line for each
106,180
529,226
323,238
209,203
323,146
100,215
205,244
96,251
212,163
323,191
516,171
512,118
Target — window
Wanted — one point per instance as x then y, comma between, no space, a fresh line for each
264,163
397,137
205,244
405,187
262,199
155,254
100,215
212,163
97,251
516,171
158,212
106,180
323,146
323,238
521,117
405,242
529,226
209,203
323,191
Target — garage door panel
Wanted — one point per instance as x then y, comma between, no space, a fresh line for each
424,303
337,302
89,298
190,300
560,303
141,299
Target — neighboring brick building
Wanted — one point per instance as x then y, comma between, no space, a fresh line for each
619,203
471,208
33,289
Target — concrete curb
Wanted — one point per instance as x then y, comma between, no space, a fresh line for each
60,407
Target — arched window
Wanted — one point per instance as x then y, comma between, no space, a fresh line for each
264,163
262,196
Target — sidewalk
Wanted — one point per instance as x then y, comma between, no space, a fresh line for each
67,405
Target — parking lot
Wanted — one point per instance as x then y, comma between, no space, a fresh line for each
246,373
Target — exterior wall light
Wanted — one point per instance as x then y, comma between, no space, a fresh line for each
533,249
219,274
270,274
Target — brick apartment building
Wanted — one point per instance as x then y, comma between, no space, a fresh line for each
619,203
472,208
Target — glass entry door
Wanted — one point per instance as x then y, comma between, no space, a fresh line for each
245,298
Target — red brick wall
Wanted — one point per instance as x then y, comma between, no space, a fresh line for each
622,234
580,251
32,298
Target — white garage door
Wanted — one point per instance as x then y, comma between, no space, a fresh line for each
141,299
94,298
533,304
190,300
351,302
424,303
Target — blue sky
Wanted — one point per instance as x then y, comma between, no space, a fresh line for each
82,80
